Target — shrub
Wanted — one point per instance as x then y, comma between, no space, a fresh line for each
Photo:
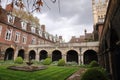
47,61
93,74
61,62
19,60
94,64
73,63
54,63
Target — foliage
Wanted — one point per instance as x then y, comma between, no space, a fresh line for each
27,17
61,62
94,64
54,63
35,62
47,61
73,63
19,60
94,74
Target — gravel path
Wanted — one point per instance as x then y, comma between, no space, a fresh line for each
77,75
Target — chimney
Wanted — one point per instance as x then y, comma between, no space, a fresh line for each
9,7
60,37
43,28
93,2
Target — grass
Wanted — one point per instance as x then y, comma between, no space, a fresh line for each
51,73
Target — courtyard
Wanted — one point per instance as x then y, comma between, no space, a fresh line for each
51,73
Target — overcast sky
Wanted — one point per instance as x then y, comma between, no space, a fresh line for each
73,18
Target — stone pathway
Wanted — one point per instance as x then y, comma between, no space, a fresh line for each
77,75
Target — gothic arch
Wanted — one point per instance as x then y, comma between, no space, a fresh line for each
9,54
43,54
56,55
89,56
72,55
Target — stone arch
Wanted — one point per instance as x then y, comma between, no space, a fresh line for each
89,56
9,54
56,55
43,54
72,56
32,55
21,53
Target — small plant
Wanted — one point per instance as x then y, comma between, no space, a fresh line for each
94,64
47,61
93,74
19,60
54,63
73,63
61,62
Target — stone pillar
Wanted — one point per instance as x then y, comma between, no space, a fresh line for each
79,59
82,59
27,55
15,53
37,57
64,57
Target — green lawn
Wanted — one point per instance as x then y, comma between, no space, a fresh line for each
51,73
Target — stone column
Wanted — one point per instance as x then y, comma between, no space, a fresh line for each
79,59
82,59
37,57
15,53
64,57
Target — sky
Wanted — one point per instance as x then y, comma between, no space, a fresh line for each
68,19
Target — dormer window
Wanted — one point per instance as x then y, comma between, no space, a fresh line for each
24,25
11,18
40,33
33,29
50,37
46,35
55,39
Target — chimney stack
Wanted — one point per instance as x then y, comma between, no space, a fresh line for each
43,28
9,7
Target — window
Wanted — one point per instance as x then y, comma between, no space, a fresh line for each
8,35
33,29
17,36
40,33
11,19
24,25
0,30
55,39
24,39
46,35
33,41
50,37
